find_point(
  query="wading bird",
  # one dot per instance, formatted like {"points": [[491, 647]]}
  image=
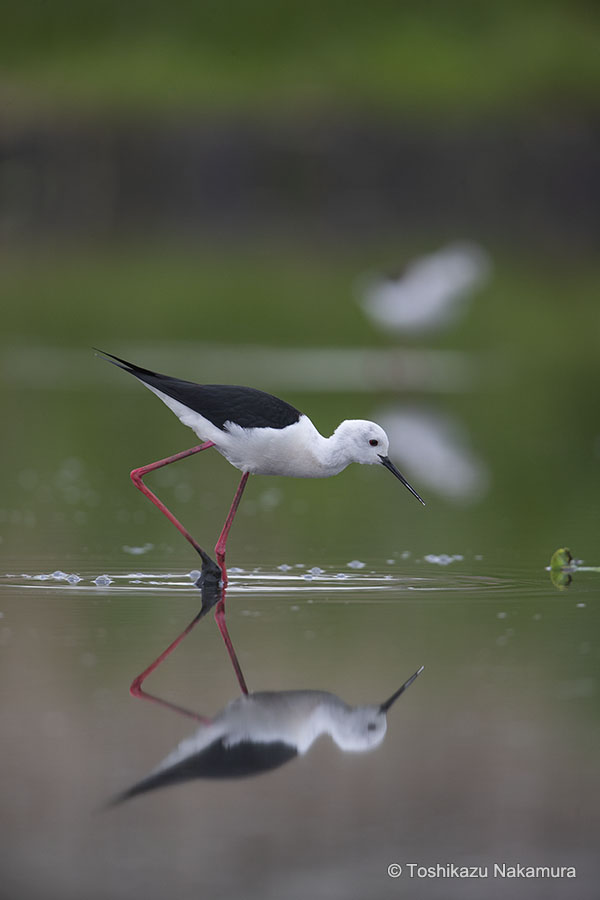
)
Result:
{"points": [[258, 434]]}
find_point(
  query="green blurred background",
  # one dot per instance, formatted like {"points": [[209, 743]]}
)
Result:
{"points": [[426, 59]]}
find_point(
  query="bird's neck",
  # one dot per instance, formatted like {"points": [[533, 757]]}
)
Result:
{"points": [[333, 453], [331, 717], [306, 453]]}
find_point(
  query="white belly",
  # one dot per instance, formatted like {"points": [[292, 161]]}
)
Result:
{"points": [[295, 451]]}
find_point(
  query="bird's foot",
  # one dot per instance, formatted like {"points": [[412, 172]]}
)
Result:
{"points": [[222, 567]]}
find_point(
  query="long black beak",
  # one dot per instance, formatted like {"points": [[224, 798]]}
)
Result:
{"points": [[385, 706], [386, 461]]}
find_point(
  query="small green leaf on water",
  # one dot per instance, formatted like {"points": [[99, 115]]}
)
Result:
{"points": [[561, 559], [562, 566]]}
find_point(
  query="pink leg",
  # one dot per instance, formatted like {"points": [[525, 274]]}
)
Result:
{"points": [[222, 542], [138, 474], [136, 685], [220, 554], [222, 626]]}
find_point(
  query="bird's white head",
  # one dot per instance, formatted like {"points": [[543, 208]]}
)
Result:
{"points": [[361, 441], [362, 728]]}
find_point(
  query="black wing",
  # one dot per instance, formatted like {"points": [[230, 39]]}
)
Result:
{"points": [[219, 403], [242, 760]]}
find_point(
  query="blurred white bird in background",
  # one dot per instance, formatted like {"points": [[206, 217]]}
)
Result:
{"points": [[430, 293]]}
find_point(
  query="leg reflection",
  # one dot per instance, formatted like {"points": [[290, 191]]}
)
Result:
{"points": [[213, 594]]}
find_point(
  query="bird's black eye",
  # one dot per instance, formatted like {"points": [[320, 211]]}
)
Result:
{"points": [[371, 726], [373, 442]]}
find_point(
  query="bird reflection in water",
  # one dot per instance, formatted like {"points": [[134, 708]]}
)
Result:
{"points": [[257, 732]]}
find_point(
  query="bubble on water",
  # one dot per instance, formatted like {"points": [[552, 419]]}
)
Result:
{"points": [[307, 576], [390, 562], [294, 608], [235, 570], [443, 559], [59, 576], [340, 575], [137, 551], [284, 567], [103, 580], [195, 575], [73, 578], [501, 615], [356, 564], [316, 570], [580, 605]]}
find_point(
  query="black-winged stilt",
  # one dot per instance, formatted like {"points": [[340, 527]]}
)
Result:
{"points": [[259, 732], [258, 434]]}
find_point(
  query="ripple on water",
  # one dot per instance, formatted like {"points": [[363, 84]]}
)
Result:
{"points": [[285, 579]]}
